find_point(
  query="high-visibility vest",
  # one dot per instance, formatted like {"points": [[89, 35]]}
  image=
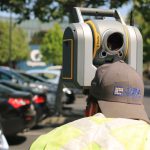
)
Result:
{"points": [[97, 133]]}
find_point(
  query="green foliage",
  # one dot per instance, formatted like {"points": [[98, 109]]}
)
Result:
{"points": [[142, 19], [21, 7], [51, 47], [19, 44], [37, 37], [47, 10], [143, 7]]}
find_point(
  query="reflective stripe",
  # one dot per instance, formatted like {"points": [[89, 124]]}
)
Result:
{"points": [[97, 133], [133, 137], [55, 139]]}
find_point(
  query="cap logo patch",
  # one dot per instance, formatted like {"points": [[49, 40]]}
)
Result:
{"points": [[118, 91], [129, 91]]}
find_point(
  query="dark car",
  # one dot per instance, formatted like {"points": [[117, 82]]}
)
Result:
{"points": [[51, 77], [16, 110], [12, 75], [7, 74], [50, 91], [37, 97], [68, 96]]}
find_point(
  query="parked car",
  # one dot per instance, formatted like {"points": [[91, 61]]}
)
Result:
{"points": [[51, 90], [8, 74], [16, 110], [37, 97], [52, 76]]}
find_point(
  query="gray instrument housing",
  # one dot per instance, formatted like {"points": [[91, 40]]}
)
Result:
{"points": [[78, 62]]}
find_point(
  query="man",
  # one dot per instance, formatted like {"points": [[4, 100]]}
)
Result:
{"points": [[118, 90]]}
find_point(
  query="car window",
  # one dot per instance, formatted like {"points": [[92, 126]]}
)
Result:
{"points": [[12, 86], [45, 75], [33, 77], [5, 89], [19, 76], [49, 75], [4, 76], [28, 77]]}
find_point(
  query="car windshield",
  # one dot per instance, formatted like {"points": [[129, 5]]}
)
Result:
{"points": [[20, 76], [33, 78], [51, 76]]}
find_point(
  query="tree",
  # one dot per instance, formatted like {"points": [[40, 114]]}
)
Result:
{"points": [[142, 7], [142, 13], [19, 43], [51, 47], [37, 37], [47, 10], [145, 30]]}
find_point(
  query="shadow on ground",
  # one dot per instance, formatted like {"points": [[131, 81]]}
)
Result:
{"points": [[16, 140], [68, 115]]}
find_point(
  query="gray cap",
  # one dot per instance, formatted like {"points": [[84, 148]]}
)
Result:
{"points": [[119, 90]]}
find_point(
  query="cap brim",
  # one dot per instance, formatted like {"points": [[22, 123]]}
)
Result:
{"points": [[123, 110]]}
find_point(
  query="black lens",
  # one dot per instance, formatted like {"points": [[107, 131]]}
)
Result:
{"points": [[115, 41], [103, 54]]}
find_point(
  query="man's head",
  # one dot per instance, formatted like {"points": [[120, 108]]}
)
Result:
{"points": [[119, 90]]}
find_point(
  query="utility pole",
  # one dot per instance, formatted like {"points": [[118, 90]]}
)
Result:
{"points": [[10, 40]]}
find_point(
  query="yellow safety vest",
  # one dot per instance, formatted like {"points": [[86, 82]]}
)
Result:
{"points": [[97, 133]]}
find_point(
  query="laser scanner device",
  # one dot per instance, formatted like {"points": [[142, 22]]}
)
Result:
{"points": [[89, 43]]}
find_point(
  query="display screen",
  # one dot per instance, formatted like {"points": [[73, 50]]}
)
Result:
{"points": [[68, 59]]}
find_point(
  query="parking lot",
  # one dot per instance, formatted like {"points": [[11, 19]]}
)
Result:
{"points": [[72, 112], [31, 105]]}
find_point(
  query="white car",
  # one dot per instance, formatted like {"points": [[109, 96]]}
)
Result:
{"points": [[3, 142]]}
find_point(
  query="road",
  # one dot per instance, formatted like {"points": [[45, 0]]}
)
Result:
{"points": [[23, 140]]}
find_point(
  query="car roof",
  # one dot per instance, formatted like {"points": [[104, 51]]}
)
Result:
{"points": [[54, 68], [10, 71], [44, 71]]}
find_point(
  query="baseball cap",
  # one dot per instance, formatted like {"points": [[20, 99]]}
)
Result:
{"points": [[119, 91]]}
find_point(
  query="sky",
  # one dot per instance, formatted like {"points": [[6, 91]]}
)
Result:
{"points": [[123, 11]]}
